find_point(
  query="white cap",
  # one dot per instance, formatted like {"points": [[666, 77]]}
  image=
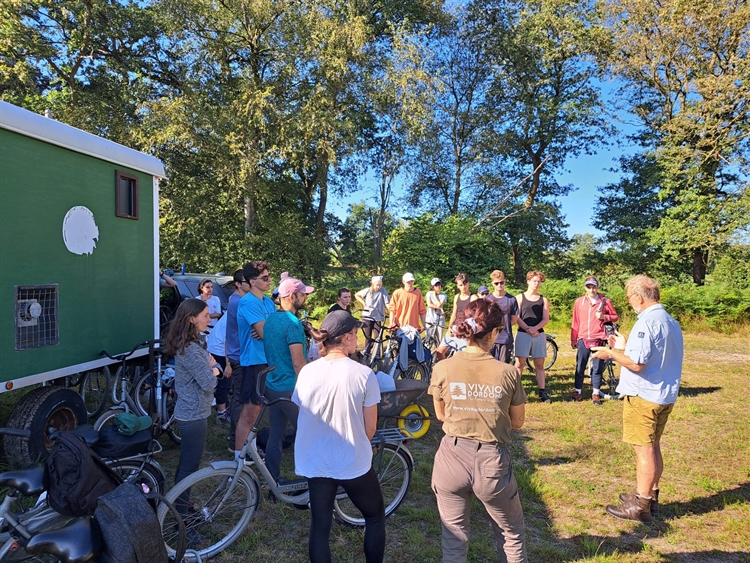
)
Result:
{"points": [[407, 277], [433, 281]]}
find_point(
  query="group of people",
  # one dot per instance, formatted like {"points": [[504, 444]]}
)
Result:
{"points": [[477, 393]]}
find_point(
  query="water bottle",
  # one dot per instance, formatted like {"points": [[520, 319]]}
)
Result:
{"points": [[182, 269]]}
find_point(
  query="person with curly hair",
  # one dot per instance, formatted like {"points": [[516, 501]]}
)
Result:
{"points": [[479, 400]]}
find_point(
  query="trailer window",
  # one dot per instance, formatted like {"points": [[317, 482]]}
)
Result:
{"points": [[36, 316], [126, 195]]}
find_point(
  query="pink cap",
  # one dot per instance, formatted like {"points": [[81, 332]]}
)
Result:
{"points": [[292, 285]]}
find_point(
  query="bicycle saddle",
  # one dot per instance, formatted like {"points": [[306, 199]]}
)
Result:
{"points": [[29, 481], [76, 542], [86, 433]]}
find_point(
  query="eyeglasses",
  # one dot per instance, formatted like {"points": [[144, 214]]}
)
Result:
{"points": [[263, 278], [498, 283]]}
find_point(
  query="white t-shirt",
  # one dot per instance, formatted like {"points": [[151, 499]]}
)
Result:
{"points": [[331, 439], [214, 306], [216, 339]]}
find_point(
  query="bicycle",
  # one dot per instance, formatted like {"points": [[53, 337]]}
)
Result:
{"points": [[30, 530], [386, 358], [146, 388], [551, 357], [609, 379], [433, 336], [225, 495]]}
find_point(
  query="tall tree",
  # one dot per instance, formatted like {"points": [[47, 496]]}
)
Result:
{"points": [[686, 75]]}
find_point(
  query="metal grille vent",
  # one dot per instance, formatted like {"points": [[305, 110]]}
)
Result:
{"points": [[36, 316]]}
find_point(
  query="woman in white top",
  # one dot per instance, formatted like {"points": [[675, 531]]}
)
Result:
{"points": [[338, 413], [374, 300], [435, 318], [206, 293]]}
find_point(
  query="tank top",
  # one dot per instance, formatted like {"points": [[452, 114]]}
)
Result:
{"points": [[531, 312], [461, 305]]}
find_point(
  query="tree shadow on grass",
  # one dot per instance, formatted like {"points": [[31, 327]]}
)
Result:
{"points": [[687, 391]]}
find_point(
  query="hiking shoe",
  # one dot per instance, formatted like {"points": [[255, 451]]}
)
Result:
{"points": [[625, 497], [635, 508], [576, 396], [597, 400], [543, 397]]}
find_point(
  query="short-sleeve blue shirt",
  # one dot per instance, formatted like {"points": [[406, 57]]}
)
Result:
{"points": [[655, 342], [252, 310], [281, 330], [509, 306]]}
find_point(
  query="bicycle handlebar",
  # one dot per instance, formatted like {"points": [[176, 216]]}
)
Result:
{"points": [[120, 357]]}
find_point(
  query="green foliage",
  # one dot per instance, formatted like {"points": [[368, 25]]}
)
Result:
{"points": [[733, 267], [719, 305], [428, 246]]}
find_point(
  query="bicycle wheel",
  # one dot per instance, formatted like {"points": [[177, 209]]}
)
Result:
{"points": [[94, 389], [213, 522], [107, 418], [551, 357], [149, 475], [142, 391], [414, 370], [610, 379], [394, 469], [551, 353]]}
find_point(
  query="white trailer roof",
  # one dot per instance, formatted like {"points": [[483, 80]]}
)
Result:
{"points": [[30, 124]]}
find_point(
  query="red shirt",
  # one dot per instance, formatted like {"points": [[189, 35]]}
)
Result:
{"points": [[585, 324]]}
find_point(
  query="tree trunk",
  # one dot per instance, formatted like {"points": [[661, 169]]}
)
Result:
{"points": [[518, 272], [249, 214], [699, 266], [535, 180], [322, 176]]}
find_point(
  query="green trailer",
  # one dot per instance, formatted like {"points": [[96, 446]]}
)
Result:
{"points": [[79, 260]]}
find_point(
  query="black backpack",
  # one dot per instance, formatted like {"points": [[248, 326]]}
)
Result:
{"points": [[130, 529], [77, 477]]}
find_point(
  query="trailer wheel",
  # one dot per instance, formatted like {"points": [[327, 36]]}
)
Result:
{"points": [[42, 409]]}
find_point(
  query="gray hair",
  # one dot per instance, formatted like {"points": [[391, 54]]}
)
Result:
{"points": [[644, 287]]}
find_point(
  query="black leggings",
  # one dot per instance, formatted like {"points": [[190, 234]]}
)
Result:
{"points": [[365, 493]]}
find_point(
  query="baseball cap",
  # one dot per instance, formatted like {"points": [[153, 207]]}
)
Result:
{"points": [[293, 285], [128, 424], [591, 280], [338, 323], [482, 289], [407, 277], [376, 279], [434, 281]]}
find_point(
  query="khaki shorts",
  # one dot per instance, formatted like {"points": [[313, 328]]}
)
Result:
{"points": [[643, 422]]}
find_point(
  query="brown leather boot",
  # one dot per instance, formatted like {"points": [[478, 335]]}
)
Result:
{"points": [[625, 497], [636, 508]]}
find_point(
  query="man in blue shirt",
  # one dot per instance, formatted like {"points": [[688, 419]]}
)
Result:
{"points": [[252, 312], [241, 287], [286, 349], [651, 362], [503, 347]]}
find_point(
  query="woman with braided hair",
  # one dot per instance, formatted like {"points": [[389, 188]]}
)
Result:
{"points": [[479, 400]]}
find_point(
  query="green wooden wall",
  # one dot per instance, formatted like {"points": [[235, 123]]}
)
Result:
{"points": [[106, 299]]}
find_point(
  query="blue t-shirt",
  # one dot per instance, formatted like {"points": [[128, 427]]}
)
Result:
{"points": [[281, 330], [252, 310], [656, 342], [233, 334]]}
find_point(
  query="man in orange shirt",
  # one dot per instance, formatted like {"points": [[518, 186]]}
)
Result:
{"points": [[407, 305]]}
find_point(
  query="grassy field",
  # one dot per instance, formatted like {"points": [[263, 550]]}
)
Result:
{"points": [[570, 462]]}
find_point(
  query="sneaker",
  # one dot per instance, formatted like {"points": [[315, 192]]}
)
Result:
{"points": [[597, 400], [576, 396], [223, 419], [543, 397]]}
